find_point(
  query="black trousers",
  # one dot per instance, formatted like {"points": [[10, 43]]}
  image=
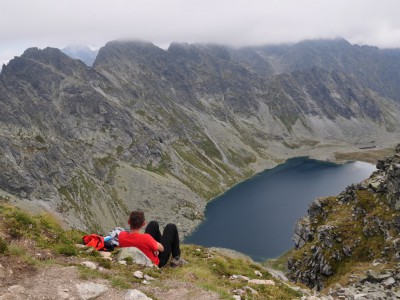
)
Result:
{"points": [[169, 239]]}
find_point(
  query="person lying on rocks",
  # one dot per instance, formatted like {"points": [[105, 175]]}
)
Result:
{"points": [[158, 248]]}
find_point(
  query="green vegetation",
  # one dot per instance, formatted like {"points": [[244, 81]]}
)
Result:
{"points": [[162, 167], [40, 139], [242, 159], [212, 270], [43, 229], [3, 246], [141, 112], [288, 121], [279, 263], [85, 192], [358, 225], [198, 175], [119, 150], [370, 156], [207, 269], [210, 149]]}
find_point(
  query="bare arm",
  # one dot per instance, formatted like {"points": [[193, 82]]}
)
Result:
{"points": [[160, 247]]}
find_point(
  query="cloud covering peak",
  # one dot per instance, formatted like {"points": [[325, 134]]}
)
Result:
{"points": [[25, 23]]}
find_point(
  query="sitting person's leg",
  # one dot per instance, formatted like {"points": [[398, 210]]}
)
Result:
{"points": [[154, 230], [170, 241]]}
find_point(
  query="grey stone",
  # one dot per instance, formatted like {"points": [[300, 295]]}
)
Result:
{"points": [[302, 232], [327, 235], [347, 250], [261, 282], [16, 289], [138, 274], [136, 295], [251, 290], [90, 290], [89, 264], [137, 256], [239, 277], [389, 282], [239, 291], [149, 278]]}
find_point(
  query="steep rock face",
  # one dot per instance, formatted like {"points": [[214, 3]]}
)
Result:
{"points": [[360, 225], [321, 93], [164, 130], [374, 68], [62, 133]]}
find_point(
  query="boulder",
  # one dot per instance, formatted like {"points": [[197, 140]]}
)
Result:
{"points": [[89, 264], [136, 295], [137, 256], [90, 290]]}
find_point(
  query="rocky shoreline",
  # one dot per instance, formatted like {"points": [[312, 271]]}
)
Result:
{"points": [[357, 230]]}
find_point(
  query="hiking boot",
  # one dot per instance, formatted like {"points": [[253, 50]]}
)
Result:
{"points": [[177, 262]]}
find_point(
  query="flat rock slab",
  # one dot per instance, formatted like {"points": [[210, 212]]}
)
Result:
{"points": [[90, 290], [137, 256], [136, 295]]}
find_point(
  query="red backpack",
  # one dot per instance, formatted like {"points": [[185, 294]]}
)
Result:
{"points": [[94, 240]]}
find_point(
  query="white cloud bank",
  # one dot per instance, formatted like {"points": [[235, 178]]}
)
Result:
{"points": [[26, 23]]}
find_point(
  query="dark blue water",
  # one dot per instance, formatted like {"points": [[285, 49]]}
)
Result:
{"points": [[257, 216]]}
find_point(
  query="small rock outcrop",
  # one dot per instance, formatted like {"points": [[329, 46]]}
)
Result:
{"points": [[360, 225], [134, 255], [136, 295], [90, 290]]}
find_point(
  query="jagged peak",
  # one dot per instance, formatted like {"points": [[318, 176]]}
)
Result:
{"points": [[129, 44], [325, 42], [126, 48], [42, 54]]}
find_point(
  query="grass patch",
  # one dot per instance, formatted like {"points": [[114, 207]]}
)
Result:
{"points": [[66, 249], [162, 167], [3, 246], [120, 282], [87, 274], [40, 139], [210, 149], [370, 156], [279, 263], [44, 229], [119, 150], [358, 226], [206, 269], [211, 270]]}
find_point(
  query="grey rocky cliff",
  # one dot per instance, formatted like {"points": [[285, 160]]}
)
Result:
{"points": [[165, 130], [359, 226]]}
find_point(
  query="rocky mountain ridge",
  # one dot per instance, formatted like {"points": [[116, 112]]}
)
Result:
{"points": [[165, 130], [356, 231]]}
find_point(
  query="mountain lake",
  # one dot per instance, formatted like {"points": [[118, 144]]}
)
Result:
{"points": [[257, 216]]}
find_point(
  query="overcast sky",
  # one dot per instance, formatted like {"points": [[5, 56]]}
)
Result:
{"points": [[58, 23]]}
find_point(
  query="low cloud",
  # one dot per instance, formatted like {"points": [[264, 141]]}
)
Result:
{"points": [[42, 23]]}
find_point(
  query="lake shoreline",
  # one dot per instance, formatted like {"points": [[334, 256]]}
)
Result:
{"points": [[303, 164]]}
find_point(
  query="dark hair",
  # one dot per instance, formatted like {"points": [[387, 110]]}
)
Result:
{"points": [[136, 219]]}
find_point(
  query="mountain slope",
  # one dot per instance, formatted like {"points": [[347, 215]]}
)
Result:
{"points": [[374, 68], [166, 130]]}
